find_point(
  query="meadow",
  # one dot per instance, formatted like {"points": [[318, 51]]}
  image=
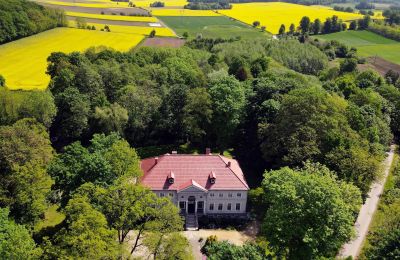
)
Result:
{"points": [[368, 44], [273, 14], [214, 26], [181, 12], [23, 62]]}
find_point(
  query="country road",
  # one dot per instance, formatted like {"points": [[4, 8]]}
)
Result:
{"points": [[353, 247]]}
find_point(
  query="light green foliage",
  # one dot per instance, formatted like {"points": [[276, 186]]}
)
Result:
{"points": [[112, 118], [15, 240], [87, 235], [15, 105], [25, 151], [173, 246], [307, 215]]}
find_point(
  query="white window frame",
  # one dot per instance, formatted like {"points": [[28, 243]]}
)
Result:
{"points": [[230, 195], [236, 206], [221, 195], [229, 206], [222, 206], [211, 207], [239, 194], [211, 194], [162, 195]]}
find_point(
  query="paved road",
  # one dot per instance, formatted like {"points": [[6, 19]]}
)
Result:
{"points": [[353, 247]]}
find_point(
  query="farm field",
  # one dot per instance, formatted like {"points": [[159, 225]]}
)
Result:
{"points": [[113, 17], [106, 3], [143, 30], [273, 14], [216, 26], [368, 44], [23, 62], [181, 12]]}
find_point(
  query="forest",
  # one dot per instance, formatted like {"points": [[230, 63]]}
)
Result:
{"points": [[24, 18]]}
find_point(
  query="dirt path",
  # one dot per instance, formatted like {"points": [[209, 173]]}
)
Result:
{"points": [[367, 211]]}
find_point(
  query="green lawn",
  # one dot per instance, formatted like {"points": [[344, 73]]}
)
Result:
{"points": [[51, 218], [368, 44], [210, 27]]}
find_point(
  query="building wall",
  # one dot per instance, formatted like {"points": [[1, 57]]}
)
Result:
{"points": [[215, 198]]}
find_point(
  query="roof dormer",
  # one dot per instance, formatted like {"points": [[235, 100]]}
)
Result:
{"points": [[171, 177], [212, 177]]}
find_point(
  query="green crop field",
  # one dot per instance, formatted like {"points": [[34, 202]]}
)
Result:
{"points": [[210, 27], [368, 44]]}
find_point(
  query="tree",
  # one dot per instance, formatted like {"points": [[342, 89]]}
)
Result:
{"points": [[152, 33], [307, 215], [256, 23], [263, 28], [292, 29], [282, 29], [185, 35], [228, 99], [173, 246], [305, 24], [112, 118], [317, 26], [2, 81], [81, 23], [363, 23], [15, 240], [86, 234], [25, 152], [348, 65], [353, 25], [197, 114]]}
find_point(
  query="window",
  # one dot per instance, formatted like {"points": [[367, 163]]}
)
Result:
{"points": [[171, 194], [239, 194], [212, 206], [162, 194], [229, 207], [182, 197], [221, 195], [230, 195], [211, 194], [182, 204], [220, 206], [237, 206]]}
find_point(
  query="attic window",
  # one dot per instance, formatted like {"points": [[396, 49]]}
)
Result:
{"points": [[212, 177], [171, 177]]}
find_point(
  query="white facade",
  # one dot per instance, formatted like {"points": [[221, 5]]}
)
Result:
{"points": [[195, 200]]}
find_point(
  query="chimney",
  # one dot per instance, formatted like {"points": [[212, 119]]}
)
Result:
{"points": [[208, 151], [228, 164], [171, 177], [155, 160], [212, 177], [174, 152]]}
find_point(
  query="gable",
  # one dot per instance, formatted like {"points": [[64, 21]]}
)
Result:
{"points": [[192, 188]]}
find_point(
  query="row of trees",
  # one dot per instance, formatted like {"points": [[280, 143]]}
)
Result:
{"points": [[331, 25], [19, 19]]}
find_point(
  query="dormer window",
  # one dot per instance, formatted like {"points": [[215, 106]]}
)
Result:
{"points": [[212, 177], [171, 178]]}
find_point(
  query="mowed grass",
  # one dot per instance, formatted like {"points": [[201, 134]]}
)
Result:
{"points": [[210, 27], [23, 62], [368, 44], [273, 14]]}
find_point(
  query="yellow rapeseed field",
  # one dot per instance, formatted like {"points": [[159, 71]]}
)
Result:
{"points": [[273, 14], [113, 17], [23, 62], [160, 31], [181, 12]]}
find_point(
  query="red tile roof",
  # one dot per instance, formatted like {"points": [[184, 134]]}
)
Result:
{"points": [[192, 170]]}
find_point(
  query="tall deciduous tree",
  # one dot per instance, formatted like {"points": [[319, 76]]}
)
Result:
{"points": [[307, 216]]}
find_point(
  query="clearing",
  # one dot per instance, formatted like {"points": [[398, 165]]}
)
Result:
{"points": [[368, 44], [210, 27], [273, 14], [23, 63]]}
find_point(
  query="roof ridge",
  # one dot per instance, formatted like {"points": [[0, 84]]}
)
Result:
{"points": [[234, 173]]}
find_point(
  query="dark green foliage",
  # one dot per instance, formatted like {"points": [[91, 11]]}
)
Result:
{"points": [[348, 65], [223, 250], [152, 33], [2, 81], [157, 4], [21, 18], [208, 5]]}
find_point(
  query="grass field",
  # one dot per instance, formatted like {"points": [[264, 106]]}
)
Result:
{"points": [[113, 17], [368, 44], [211, 27], [23, 62], [273, 14]]}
